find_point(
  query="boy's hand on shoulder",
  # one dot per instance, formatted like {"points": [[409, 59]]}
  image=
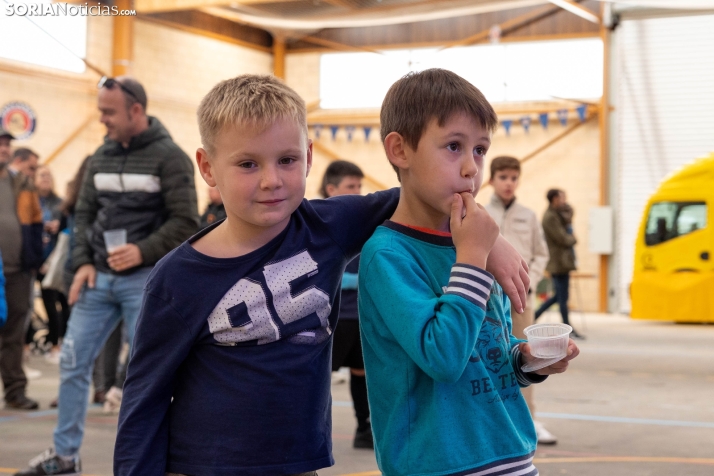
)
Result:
{"points": [[556, 368], [473, 230], [511, 272]]}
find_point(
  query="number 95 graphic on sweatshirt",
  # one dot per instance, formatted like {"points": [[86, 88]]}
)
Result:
{"points": [[243, 316]]}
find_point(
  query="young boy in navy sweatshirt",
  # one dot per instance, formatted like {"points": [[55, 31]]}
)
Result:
{"points": [[443, 368], [230, 371]]}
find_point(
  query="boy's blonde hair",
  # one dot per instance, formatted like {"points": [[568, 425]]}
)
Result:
{"points": [[417, 98], [258, 100]]}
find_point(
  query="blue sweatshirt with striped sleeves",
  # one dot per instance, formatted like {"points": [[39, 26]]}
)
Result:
{"points": [[443, 370]]}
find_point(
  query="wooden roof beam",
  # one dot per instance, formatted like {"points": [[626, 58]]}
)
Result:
{"points": [[155, 6], [578, 10], [337, 46], [340, 3], [506, 27]]}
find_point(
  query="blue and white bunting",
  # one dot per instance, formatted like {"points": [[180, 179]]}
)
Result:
{"points": [[582, 109], [350, 132], [563, 116], [526, 123], [543, 118], [507, 123]]}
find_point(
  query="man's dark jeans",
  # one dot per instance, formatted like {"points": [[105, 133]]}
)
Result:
{"points": [[561, 285], [12, 334]]}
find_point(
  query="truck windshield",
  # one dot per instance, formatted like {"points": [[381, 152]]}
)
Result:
{"points": [[669, 220]]}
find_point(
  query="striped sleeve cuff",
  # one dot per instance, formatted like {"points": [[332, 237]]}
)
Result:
{"points": [[524, 379], [471, 283]]}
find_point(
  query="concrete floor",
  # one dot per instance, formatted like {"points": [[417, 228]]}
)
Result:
{"points": [[638, 401]]}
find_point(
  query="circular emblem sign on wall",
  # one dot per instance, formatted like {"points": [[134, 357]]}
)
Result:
{"points": [[18, 119]]}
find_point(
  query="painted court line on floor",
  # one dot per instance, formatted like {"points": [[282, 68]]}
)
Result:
{"points": [[637, 421], [560, 416], [607, 419], [27, 415]]}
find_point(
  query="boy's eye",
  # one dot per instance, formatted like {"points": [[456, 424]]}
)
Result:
{"points": [[480, 151], [287, 160], [246, 165], [453, 146]]}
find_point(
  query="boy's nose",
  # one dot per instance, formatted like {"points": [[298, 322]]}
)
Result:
{"points": [[270, 178], [469, 167]]}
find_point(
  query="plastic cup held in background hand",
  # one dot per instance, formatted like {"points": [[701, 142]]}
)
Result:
{"points": [[548, 343], [113, 239]]}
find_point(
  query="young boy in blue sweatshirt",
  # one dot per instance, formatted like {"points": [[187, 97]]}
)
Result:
{"points": [[230, 367], [443, 370]]}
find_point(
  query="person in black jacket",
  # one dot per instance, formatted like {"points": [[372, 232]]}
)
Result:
{"points": [[138, 181]]}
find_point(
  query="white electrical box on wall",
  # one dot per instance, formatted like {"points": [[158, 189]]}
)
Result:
{"points": [[600, 231]]}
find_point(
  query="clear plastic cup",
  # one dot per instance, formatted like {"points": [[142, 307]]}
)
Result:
{"points": [[113, 239], [548, 341]]}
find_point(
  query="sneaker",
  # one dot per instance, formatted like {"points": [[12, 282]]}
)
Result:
{"points": [[50, 462], [338, 377], [112, 400], [53, 357], [544, 436], [576, 335], [22, 403], [364, 439], [30, 373]]}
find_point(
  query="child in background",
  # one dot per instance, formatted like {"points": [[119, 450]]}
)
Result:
{"points": [[230, 371], [520, 226], [443, 368], [345, 178]]}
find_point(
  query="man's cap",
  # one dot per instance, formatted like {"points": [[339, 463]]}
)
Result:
{"points": [[4, 133]]}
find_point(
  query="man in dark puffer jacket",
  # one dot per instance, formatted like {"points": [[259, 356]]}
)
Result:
{"points": [[139, 181]]}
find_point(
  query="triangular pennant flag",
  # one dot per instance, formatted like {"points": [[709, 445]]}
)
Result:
{"points": [[350, 130], [367, 130], [507, 125], [334, 130], [317, 128], [526, 122], [581, 111], [563, 116], [543, 118]]}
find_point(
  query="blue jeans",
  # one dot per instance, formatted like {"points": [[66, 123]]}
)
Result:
{"points": [[561, 283], [94, 317]]}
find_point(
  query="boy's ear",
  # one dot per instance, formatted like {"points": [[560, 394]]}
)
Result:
{"points": [[204, 166], [309, 157], [330, 189], [395, 147]]}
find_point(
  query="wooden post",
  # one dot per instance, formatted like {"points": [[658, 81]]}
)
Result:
{"points": [[123, 41], [604, 151], [279, 56]]}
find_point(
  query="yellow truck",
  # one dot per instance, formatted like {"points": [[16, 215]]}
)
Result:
{"points": [[674, 264]]}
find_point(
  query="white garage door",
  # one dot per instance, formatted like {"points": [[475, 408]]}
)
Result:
{"points": [[664, 87]]}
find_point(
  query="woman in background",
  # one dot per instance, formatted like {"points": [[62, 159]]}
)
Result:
{"points": [[55, 302]]}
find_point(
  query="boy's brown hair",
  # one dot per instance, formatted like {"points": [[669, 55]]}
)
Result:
{"points": [[505, 162], [417, 98], [257, 100]]}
